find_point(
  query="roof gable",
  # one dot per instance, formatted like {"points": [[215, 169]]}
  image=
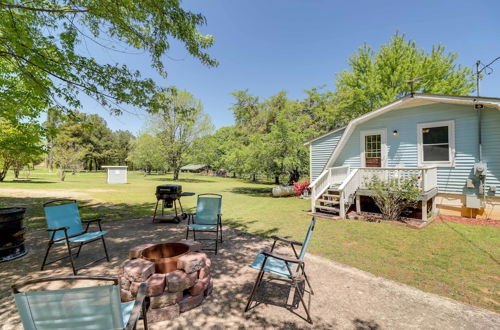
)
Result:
{"points": [[406, 102]]}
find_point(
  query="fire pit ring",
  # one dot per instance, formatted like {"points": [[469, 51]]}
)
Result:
{"points": [[12, 233], [165, 256], [177, 275]]}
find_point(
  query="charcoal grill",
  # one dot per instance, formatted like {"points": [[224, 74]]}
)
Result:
{"points": [[169, 195]]}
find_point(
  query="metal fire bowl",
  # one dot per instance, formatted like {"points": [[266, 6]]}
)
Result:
{"points": [[165, 256]]}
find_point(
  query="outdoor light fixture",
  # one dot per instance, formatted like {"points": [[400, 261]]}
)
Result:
{"points": [[395, 132]]}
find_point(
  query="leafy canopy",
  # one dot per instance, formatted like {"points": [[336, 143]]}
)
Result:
{"points": [[42, 57], [378, 78]]}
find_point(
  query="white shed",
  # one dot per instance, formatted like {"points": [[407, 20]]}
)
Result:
{"points": [[116, 174]]}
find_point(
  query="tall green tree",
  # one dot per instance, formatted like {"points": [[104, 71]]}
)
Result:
{"points": [[20, 144], [178, 120], [146, 153], [378, 77], [42, 61]]}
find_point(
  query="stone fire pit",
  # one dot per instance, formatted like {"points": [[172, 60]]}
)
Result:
{"points": [[177, 275]]}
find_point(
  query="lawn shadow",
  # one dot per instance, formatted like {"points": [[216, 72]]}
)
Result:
{"points": [[181, 180], [360, 324], [252, 191], [244, 227]]}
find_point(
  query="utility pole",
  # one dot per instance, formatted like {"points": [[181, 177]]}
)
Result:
{"points": [[479, 71]]}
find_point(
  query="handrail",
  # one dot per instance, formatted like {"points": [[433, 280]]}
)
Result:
{"points": [[312, 184]]}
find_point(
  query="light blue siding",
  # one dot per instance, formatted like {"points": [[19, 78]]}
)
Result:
{"points": [[491, 148], [402, 149], [321, 150]]}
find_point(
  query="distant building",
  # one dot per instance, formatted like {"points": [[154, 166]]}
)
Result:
{"points": [[193, 168]]}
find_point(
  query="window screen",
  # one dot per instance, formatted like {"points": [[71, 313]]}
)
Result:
{"points": [[435, 143]]}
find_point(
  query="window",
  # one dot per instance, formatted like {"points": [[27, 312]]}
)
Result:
{"points": [[436, 143]]}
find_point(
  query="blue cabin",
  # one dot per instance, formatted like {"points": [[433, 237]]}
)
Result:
{"points": [[450, 143]]}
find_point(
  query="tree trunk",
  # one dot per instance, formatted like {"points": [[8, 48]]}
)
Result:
{"points": [[254, 177], [294, 176], [176, 174], [62, 175], [276, 179], [16, 169]]}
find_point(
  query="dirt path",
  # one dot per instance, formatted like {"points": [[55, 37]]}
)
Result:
{"points": [[55, 193], [345, 297]]}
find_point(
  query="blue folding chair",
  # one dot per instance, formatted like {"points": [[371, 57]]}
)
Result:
{"points": [[65, 226], [207, 218], [279, 265], [92, 308]]}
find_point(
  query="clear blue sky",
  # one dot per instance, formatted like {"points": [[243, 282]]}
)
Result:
{"points": [[292, 45]]}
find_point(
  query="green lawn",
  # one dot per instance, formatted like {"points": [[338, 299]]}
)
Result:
{"points": [[454, 260]]}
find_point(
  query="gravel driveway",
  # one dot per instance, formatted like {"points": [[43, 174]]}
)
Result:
{"points": [[345, 297]]}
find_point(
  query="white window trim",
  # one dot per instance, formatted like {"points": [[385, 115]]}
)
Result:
{"points": [[451, 142], [383, 140]]}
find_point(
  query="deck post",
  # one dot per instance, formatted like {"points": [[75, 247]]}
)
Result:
{"points": [[342, 207], [424, 210], [434, 207], [358, 204]]}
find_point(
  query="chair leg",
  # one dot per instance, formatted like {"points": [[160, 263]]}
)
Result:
{"points": [[256, 284], [216, 239], [301, 296], [105, 248], [79, 249], [71, 257], [194, 234], [220, 223], [144, 316], [187, 232], [46, 255], [307, 279]]}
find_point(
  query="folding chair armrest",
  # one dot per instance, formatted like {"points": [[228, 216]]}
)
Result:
{"points": [[91, 220], [286, 240], [136, 310], [57, 229], [282, 257]]}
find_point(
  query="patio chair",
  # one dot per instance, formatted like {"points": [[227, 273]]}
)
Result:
{"points": [[94, 307], [281, 266], [207, 218], [65, 226]]}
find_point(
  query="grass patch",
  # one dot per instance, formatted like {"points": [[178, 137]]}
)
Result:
{"points": [[451, 259]]}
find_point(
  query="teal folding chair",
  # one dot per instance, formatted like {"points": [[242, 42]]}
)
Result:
{"points": [[207, 218], [90, 308], [279, 265], [65, 226]]}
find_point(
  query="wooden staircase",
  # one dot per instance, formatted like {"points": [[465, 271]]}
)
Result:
{"points": [[328, 204]]}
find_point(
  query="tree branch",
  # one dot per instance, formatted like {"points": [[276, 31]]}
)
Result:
{"points": [[46, 10]]}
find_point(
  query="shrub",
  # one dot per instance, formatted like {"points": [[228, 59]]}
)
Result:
{"points": [[299, 187], [393, 196]]}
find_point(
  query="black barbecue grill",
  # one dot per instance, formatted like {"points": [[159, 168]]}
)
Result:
{"points": [[169, 195]]}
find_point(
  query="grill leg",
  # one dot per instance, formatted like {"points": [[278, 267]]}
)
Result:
{"points": [[156, 208]]}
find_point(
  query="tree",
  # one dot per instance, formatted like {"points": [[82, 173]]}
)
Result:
{"points": [[19, 145], [121, 146], [42, 62], [146, 153], [377, 78], [177, 121]]}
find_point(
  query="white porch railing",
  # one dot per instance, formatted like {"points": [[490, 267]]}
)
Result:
{"points": [[351, 181], [329, 177], [427, 176]]}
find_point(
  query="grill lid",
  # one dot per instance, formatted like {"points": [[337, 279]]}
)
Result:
{"points": [[169, 189]]}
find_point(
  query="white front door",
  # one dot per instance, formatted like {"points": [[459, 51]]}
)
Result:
{"points": [[374, 148]]}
